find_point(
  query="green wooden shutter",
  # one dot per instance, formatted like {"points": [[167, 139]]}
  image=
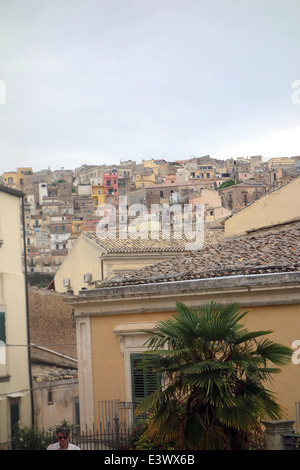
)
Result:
{"points": [[2, 327], [14, 419], [143, 382], [77, 413]]}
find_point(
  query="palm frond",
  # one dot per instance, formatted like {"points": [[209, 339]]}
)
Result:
{"points": [[242, 414], [216, 369], [274, 352], [200, 436], [247, 336], [206, 365]]}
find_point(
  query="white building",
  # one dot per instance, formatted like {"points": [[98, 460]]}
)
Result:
{"points": [[59, 241], [15, 376], [43, 192]]}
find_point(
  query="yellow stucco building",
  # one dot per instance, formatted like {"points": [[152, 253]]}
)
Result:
{"points": [[98, 194], [142, 181], [151, 164], [10, 178], [274, 209], [16, 179], [94, 259], [15, 376], [279, 161], [77, 226], [260, 272], [21, 173]]}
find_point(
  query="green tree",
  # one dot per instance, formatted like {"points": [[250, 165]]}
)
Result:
{"points": [[228, 183], [30, 438], [40, 280], [213, 371]]}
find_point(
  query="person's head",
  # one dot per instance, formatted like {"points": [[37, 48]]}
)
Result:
{"points": [[63, 435]]}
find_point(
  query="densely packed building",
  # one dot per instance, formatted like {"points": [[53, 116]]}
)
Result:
{"points": [[61, 204]]}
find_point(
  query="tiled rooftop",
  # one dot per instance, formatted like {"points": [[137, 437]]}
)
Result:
{"points": [[12, 191], [46, 373], [261, 253], [130, 245]]}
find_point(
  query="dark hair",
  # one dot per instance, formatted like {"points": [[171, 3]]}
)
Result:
{"points": [[64, 429]]}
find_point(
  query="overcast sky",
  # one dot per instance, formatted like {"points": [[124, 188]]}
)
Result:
{"points": [[100, 81]]}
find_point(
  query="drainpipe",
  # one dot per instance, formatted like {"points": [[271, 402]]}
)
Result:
{"points": [[101, 264], [27, 313]]}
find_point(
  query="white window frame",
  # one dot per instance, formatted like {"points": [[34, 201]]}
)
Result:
{"points": [[132, 341]]}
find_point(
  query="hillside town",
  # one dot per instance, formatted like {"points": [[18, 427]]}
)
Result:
{"points": [[149, 229], [62, 204], [78, 300]]}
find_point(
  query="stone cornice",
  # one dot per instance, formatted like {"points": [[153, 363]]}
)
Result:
{"points": [[253, 290]]}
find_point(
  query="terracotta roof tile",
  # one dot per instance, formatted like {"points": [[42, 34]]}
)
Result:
{"points": [[273, 252], [147, 244]]}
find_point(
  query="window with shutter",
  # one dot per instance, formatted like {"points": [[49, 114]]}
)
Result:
{"points": [[2, 327], [143, 382], [77, 412], [14, 419]]}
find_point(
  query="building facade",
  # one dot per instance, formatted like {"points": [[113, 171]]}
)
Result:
{"points": [[15, 376], [111, 188], [111, 320]]}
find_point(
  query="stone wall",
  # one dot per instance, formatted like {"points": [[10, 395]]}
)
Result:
{"points": [[50, 320]]}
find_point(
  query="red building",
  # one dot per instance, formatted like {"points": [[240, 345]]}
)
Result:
{"points": [[111, 188], [90, 225]]}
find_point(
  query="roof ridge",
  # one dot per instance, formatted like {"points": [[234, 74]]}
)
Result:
{"points": [[12, 191], [142, 244]]}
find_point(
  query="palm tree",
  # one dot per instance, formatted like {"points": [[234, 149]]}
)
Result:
{"points": [[212, 371]]}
